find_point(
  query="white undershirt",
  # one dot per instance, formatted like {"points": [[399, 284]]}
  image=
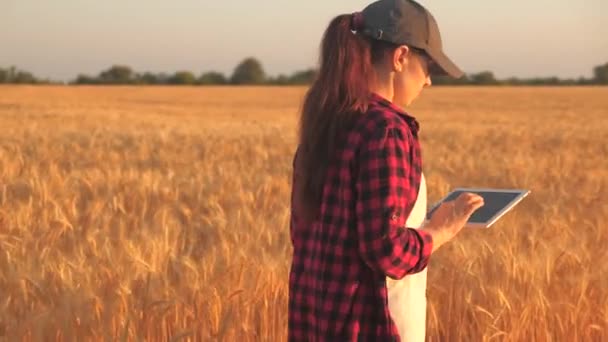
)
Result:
{"points": [[407, 297]]}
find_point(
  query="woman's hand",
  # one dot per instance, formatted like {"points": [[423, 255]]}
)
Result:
{"points": [[451, 216]]}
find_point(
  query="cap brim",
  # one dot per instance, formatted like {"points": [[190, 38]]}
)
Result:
{"points": [[444, 65]]}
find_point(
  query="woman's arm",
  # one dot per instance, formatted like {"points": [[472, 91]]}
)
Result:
{"points": [[383, 194]]}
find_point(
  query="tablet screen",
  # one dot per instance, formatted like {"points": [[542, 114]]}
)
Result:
{"points": [[493, 203]]}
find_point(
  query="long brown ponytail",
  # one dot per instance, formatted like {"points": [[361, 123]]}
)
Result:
{"points": [[339, 93]]}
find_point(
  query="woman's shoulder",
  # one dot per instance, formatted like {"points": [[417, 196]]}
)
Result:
{"points": [[378, 119]]}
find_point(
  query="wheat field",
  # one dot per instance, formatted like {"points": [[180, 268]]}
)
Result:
{"points": [[161, 213]]}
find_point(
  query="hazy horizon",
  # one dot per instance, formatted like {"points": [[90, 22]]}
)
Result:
{"points": [[62, 39]]}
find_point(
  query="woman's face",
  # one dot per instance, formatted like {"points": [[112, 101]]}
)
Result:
{"points": [[411, 75]]}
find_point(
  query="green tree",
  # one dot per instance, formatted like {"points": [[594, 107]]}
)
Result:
{"points": [[182, 78], [279, 80], [85, 79], [8, 75], [3, 76], [585, 81], [117, 74], [24, 77], [11, 73], [514, 81], [212, 78], [163, 78], [600, 74], [249, 71], [447, 80], [15, 76], [484, 78], [147, 78], [303, 77]]}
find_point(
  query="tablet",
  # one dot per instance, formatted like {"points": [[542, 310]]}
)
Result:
{"points": [[497, 202]]}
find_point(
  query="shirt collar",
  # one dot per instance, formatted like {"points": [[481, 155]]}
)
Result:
{"points": [[411, 121]]}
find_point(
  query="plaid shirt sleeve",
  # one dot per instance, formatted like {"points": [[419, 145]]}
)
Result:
{"points": [[384, 191]]}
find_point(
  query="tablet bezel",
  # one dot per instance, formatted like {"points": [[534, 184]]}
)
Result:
{"points": [[487, 224]]}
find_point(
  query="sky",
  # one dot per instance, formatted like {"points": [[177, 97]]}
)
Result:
{"points": [[59, 39]]}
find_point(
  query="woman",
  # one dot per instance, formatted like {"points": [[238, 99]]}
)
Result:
{"points": [[358, 190]]}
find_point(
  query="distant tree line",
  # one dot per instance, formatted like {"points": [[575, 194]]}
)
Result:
{"points": [[488, 78], [251, 72], [248, 72], [13, 75]]}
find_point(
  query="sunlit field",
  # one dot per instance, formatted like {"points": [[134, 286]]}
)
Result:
{"points": [[161, 213]]}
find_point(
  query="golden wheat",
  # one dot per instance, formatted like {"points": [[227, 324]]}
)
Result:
{"points": [[134, 213]]}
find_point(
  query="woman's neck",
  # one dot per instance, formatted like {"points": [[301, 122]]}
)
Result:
{"points": [[383, 85]]}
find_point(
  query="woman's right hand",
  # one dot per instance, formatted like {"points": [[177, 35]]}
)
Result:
{"points": [[451, 216]]}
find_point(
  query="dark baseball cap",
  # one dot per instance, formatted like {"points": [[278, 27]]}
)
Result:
{"points": [[406, 22]]}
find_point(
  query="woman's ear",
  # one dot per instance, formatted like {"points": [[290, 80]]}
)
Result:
{"points": [[400, 58]]}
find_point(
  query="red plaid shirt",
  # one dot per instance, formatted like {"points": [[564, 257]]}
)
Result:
{"points": [[337, 280]]}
